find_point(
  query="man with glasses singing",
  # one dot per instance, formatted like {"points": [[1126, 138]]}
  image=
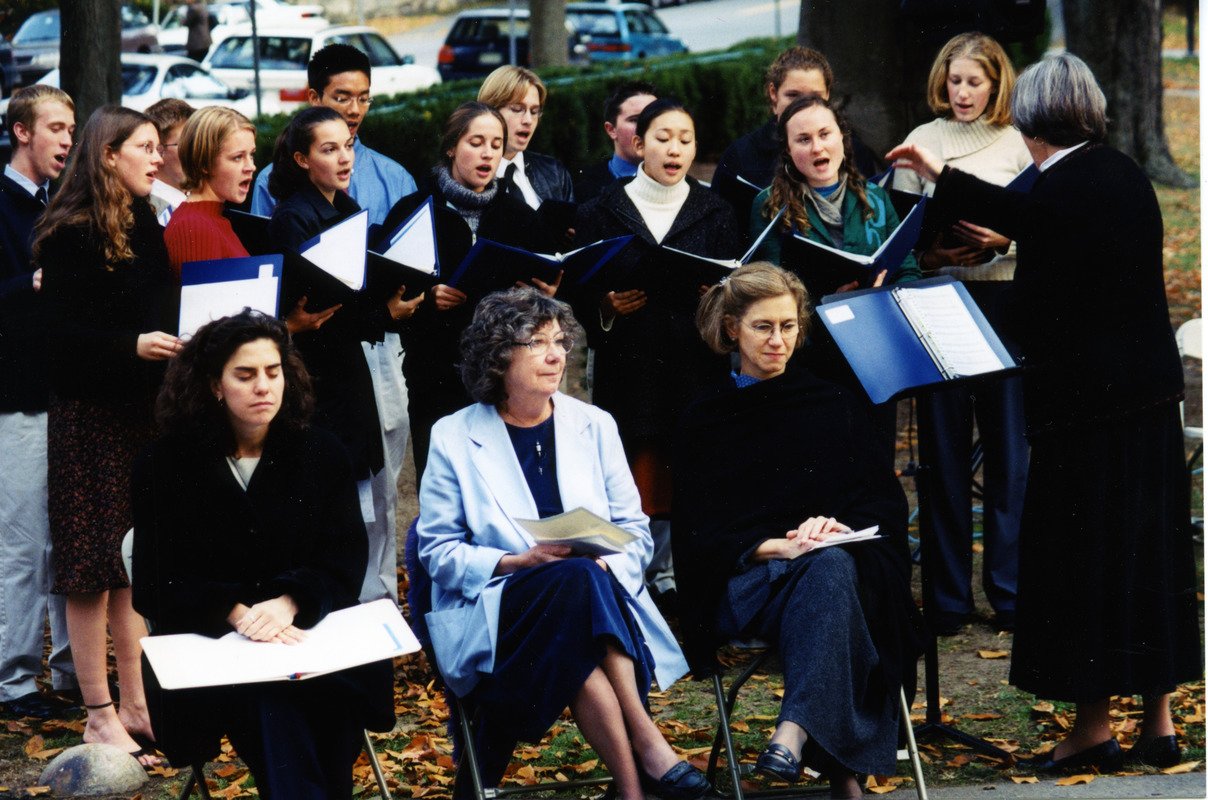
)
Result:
{"points": [[169, 116]]}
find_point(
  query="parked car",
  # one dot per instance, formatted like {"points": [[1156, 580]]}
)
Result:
{"points": [[36, 42], [622, 31], [173, 34], [478, 41], [8, 69], [285, 52], [147, 78]]}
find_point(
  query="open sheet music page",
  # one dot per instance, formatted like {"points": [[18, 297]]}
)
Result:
{"points": [[864, 535], [948, 331], [415, 242], [346, 638], [340, 250], [582, 530]]}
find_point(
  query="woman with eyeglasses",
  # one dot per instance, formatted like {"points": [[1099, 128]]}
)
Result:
{"points": [[216, 151], [519, 95], [110, 305], [773, 467], [528, 629]]}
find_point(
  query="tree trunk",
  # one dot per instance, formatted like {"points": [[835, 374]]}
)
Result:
{"points": [[90, 41], [1121, 41], [880, 66], [547, 33]]}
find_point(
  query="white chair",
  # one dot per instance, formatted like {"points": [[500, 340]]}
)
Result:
{"points": [[1190, 339]]}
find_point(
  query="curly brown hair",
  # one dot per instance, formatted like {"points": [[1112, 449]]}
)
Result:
{"points": [[92, 193], [186, 402], [788, 184]]}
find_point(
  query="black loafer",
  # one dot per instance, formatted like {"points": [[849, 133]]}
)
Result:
{"points": [[681, 782], [777, 761], [1161, 752], [1102, 758]]}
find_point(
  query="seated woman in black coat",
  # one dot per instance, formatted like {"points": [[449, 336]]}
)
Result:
{"points": [[770, 465], [471, 146], [239, 467], [649, 362], [312, 166]]}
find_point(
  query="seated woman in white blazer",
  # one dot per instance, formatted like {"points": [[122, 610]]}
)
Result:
{"points": [[525, 629]]}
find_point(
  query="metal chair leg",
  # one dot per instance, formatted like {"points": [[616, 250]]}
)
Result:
{"points": [[912, 747], [197, 777], [377, 768]]}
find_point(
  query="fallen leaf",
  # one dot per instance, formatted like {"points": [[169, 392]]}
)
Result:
{"points": [[33, 790], [42, 755], [994, 653], [226, 772], [1025, 779], [983, 716], [33, 745], [881, 789], [740, 726], [1044, 707], [1074, 780], [1179, 769]]}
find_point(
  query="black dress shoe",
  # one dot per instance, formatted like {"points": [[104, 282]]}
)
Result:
{"points": [[777, 761], [1160, 751], [34, 704], [681, 782], [1103, 758]]}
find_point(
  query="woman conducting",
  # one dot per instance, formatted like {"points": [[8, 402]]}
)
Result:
{"points": [[528, 629], [108, 290], [649, 362], [970, 89], [239, 464], [1107, 486], [464, 181], [216, 148], [770, 464]]}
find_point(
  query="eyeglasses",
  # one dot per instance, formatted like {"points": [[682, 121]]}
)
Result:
{"points": [[540, 345], [147, 147], [519, 108], [788, 330], [341, 100], [164, 147]]}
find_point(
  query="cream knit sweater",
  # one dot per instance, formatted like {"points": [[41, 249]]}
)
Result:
{"points": [[994, 153]]}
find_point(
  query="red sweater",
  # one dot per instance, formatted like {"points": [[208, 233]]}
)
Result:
{"points": [[198, 231]]}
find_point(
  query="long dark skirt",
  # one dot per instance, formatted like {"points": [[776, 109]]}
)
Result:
{"points": [[1107, 602], [554, 625], [834, 685]]}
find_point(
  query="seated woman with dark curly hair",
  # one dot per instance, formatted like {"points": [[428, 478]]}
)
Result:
{"points": [[528, 629], [247, 519], [771, 465]]}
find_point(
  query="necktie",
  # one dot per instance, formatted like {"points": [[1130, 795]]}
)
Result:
{"points": [[509, 179], [40, 195]]}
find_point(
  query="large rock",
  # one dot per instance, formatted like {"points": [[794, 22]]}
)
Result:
{"points": [[93, 769]]}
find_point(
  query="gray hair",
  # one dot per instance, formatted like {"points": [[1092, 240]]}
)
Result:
{"points": [[501, 321], [1058, 100]]}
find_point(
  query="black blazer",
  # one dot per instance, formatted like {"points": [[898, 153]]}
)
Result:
{"points": [[202, 544], [594, 180], [343, 384], [24, 377], [1088, 303], [95, 311], [549, 178]]}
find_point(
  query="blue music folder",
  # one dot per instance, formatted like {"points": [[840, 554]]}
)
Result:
{"points": [[210, 290], [903, 339]]}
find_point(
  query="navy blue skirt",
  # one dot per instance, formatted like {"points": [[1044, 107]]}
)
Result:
{"points": [[554, 624]]}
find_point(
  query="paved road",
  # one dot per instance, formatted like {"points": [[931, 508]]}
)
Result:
{"points": [[703, 25]]}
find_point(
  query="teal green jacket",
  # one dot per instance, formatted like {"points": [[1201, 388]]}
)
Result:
{"points": [[860, 236]]}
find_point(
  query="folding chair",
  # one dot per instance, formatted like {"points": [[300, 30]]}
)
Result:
{"points": [[725, 707], [197, 769], [463, 715]]}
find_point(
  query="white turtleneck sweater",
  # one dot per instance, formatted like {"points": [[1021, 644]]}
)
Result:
{"points": [[994, 153], [658, 204]]}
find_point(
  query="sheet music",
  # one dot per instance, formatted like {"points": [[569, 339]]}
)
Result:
{"points": [[415, 243], [201, 303], [948, 330], [863, 535], [346, 638], [336, 250], [581, 529]]}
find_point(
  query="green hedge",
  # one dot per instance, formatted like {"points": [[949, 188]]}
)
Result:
{"points": [[721, 89]]}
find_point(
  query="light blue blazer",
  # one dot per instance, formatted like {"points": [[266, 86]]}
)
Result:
{"points": [[473, 489]]}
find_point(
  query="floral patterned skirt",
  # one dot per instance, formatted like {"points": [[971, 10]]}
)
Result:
{"points": [[90, 452]]}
